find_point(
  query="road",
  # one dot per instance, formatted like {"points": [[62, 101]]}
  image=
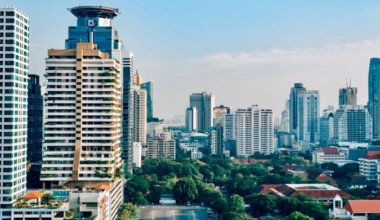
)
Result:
{"points": [[161, 212]]}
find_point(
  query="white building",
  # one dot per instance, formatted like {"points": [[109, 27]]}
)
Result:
{"points": [[368, 165], [308, 116], [14, 67], [140, 112], [161, 147], [353, 209], [328, 154], [137, 148], [254, 131], [204, 103], [229, 127], [154, 128], [191, 119], [352, 124]]}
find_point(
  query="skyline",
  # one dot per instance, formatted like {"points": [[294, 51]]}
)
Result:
{"points": [[242, 47]]}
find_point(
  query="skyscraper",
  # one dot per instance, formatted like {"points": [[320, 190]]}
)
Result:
{"points": [[293, 106], [308, 116], [216, 140], [219, 114], [326, 129], [348, 95], [204, 103], [148, 87], [191, 123], [352, 123], [14, 67], [140, 113], [82, 134], [374, 96], [129, 85], [35, 124], [35, 112], [284, 126], [254, 131]]}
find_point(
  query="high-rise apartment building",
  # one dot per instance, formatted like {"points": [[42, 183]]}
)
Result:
{"points": [[293, 106], [14, 67], [254, 131], [348, 96], [353, 124], [219, 114], [326, 135], [82, 132], [148, 87], [129, 85], [284, 124], [191, 122], [204, 103], [140, 113], [162, 146], [35, 114], [374, 96], [216, 140], [308, 116]]}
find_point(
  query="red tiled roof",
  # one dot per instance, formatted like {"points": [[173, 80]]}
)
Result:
{"points": [[330, 150], [372, 155], [311, 191], [33, 195], [363, 206]]}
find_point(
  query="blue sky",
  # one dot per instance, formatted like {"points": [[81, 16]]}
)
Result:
{"points": [[244, 51]]}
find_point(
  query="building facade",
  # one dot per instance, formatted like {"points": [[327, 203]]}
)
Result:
{"points": [[352, 124], [254, 131], [348, 96], [308, 116], [35, 123], [293, 106], [14, 67], [368, 165], [326, 129], [216, 140], [148, 87], [191, 122], [328, 154], [374, 96], [162, 147], [140, 115], [219, 114], [204, 103]]}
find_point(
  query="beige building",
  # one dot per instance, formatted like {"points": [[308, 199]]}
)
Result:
{"points": [[162, 146]]}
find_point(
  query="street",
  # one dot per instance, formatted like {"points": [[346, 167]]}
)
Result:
{"points": [[159, 212]]}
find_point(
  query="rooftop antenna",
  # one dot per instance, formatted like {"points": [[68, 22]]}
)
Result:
{"points": [[346, 83]]}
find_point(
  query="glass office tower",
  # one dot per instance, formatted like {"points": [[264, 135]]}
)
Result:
{"points": [[94, 25]]}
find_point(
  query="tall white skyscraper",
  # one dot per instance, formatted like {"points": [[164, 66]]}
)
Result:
{"points": [[191, 122], [204, 103], [254, 131], [14, 67], [308, 116], [140, 112]]}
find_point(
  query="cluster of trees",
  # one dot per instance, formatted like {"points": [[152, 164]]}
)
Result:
{"points": [[127, 211], [222, 185]]}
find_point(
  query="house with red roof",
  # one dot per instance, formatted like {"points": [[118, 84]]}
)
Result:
{"points": [[318, 191], [354, 209]]}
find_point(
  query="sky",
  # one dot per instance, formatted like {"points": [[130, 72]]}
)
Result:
{"points": [[245, 52]]}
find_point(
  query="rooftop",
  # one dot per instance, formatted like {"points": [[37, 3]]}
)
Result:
{"points": [[330, 150], [363, 206], [94, 11], [372, 155]]}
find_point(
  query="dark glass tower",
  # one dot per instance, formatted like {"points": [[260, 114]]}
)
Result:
{"points": [[148, 87], [94, 25], [374, 96], [35, 103], [293, 106]]}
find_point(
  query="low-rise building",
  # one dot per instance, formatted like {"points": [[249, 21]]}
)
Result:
{"points": [[354, 209], [368, 165], [328, 154], [319, 191], [162, 147]]}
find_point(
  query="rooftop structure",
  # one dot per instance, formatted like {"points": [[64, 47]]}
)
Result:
{"points": [[94, 11]]}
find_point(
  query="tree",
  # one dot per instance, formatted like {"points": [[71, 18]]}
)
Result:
{"points": [[235, 216], [298, 216], [261, 204], [185, 190], [287, 205], [127, 211], [154, 195], [208, 175], [219, 205], [235, 204], [313, 209]]}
